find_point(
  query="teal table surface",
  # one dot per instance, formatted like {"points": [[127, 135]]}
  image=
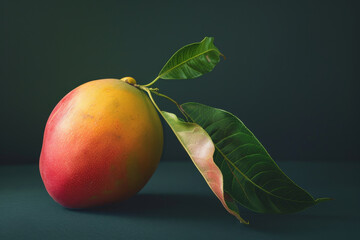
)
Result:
{"points": [[177, 204]]}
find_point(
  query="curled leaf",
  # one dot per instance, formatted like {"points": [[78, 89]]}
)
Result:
{"points": [[200, 148]]}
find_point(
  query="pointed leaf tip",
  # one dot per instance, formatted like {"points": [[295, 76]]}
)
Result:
{"points": [[319, 200]]}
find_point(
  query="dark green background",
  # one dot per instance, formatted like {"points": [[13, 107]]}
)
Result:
{"points": [[291, 69], [291, 74]]}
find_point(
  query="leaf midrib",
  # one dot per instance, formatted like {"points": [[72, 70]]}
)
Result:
{"points": [[198, 55], [269, 193], [247, 178]]}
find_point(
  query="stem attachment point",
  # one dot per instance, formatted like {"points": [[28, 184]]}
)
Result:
{"points": [[129, 80]]}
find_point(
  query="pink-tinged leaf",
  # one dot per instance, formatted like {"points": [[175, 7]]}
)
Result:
{"points": [[200, 148]]}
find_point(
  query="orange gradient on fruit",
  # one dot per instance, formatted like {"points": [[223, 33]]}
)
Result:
{"points": [[102, 143]]}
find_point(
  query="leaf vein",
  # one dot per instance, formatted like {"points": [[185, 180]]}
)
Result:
{"points": [[189, 59]]}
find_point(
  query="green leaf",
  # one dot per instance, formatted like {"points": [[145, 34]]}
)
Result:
{"points": [[200, 148], [192, 61], [251, 176]]}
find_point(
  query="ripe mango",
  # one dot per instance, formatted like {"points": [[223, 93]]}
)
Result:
{"points": [[102, 143]]}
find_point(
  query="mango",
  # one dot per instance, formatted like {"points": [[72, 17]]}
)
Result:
{"points": [[102, 143]]}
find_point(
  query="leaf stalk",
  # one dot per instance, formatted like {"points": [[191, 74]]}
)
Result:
{"points": [[151, 83], [155, 90]]}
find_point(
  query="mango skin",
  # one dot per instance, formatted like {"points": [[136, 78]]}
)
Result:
{"points": [[102, 143]]}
